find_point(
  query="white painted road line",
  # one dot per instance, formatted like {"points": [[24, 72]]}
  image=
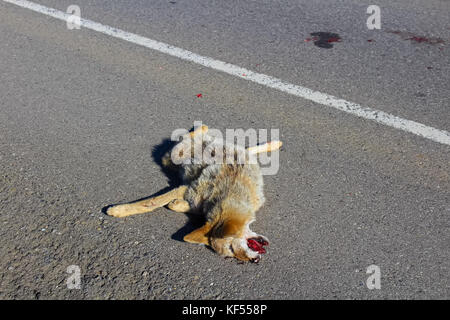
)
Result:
{"points": [[419, 129]]}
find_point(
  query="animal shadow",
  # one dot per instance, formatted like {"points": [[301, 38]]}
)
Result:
{"points": [[174, 180], [158, 153]]}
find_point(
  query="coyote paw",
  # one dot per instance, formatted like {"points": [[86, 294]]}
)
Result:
{"points": [[178, 205], [118, 211]]}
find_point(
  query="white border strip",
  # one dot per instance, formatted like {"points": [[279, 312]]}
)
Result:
{"points": [[419, 129]]}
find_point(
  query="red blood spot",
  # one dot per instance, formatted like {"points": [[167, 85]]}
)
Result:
{"points": [[426, 40], [419, 39], [256, 245], [334, 39], [199, 95], [244, 75], [370, 40], [313, 39]]}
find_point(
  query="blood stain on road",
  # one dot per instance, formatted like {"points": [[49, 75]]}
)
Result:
{"points": [[324, 39], [417, 39]]}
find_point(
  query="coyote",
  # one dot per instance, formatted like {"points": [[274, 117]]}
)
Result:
{"points": [[226, 194]]}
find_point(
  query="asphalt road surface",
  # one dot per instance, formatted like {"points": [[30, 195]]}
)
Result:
{"points": [[81, 113]]}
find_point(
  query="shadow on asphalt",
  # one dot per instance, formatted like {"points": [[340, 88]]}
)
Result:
{"points": [[174, 181]]}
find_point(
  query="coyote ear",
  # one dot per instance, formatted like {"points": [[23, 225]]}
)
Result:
{"points": [[199, 235], [232, 227]]}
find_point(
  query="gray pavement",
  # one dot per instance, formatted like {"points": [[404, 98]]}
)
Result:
{"points": [[81, 113]]}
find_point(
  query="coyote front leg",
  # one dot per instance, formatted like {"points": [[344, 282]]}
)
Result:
{"points": [[147, 205], [267, 147]]}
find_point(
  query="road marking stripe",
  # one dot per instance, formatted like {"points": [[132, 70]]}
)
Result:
{"points": [[419, 129]]}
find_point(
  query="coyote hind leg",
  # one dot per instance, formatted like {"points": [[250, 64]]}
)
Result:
{"points": [[147, 205]]}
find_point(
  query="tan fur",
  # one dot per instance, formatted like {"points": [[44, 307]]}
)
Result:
{"points": [[227, 195]]}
